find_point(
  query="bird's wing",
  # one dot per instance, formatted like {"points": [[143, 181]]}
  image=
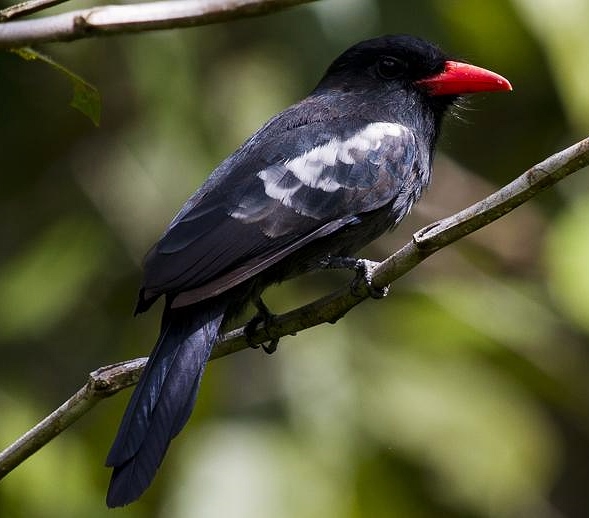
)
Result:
{"points": [[275, 194]]}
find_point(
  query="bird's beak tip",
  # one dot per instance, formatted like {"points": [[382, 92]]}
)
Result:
{"points": [[459, 78]]}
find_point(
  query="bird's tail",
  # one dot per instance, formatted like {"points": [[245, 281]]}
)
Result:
{"points": [[163, 399]]}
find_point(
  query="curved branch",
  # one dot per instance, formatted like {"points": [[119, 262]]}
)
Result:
{"points": [[113, 378], [117, 19]]}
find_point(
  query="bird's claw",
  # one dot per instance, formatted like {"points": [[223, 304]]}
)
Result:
{"points": [[364, 272], [271, 346], [266, 316]]}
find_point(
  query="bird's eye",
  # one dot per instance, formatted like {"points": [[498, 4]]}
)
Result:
{"points": [[389, 67]]}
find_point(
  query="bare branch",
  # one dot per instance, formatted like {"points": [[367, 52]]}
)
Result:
{"points": [[117, 19], [113, 378], [101, 383], [25, 8], [424, 243]]}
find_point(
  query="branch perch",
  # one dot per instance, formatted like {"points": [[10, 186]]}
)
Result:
{"points": [[109, 380], [117, 19]]}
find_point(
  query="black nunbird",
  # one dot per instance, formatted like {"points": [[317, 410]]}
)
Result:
{"points": [[319, 180]]}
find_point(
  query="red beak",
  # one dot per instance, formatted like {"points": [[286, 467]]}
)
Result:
{"points": [[462, 78]]}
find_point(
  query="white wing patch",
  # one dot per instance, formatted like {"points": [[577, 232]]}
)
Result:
{"points": [[308, 167]]}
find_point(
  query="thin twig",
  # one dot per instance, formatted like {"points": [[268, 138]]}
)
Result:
{"points": [[117, 19], [113, 378], [25, 8]]}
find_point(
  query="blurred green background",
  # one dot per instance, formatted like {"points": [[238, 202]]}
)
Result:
{"points": [[463, 394]]}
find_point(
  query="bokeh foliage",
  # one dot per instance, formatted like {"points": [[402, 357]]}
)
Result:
{"points": [[465, 393]]}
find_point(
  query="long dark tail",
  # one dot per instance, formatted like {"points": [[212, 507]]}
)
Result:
{"points": [[163, 399]]}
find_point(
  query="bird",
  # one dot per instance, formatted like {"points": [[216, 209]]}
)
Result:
{"points": [[317, 182]]}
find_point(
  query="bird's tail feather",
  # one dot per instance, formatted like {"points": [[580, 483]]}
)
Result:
{"points": [[163, 399]]}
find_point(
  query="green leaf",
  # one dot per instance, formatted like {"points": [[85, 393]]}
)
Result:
{"points": [[87, 100], [86, 97]]}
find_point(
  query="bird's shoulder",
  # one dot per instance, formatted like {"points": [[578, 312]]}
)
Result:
{"points": [[317, 133], [303, 170]]}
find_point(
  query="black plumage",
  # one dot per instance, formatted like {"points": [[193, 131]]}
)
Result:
{"points": [[323, 178]]}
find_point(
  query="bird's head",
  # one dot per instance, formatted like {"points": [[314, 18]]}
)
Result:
{"points": [[406, 63], [403, 79]]}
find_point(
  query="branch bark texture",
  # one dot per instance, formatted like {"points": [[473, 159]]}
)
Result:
{"points": [[117, 19], [113, 378]]}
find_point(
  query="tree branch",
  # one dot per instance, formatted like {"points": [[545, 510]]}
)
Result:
{"points": [[25, 8], [113, 378], [116, 19]]}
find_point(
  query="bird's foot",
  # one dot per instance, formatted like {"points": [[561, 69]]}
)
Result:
{"points": [[263, 315], [364, 273], [364, 270]]}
